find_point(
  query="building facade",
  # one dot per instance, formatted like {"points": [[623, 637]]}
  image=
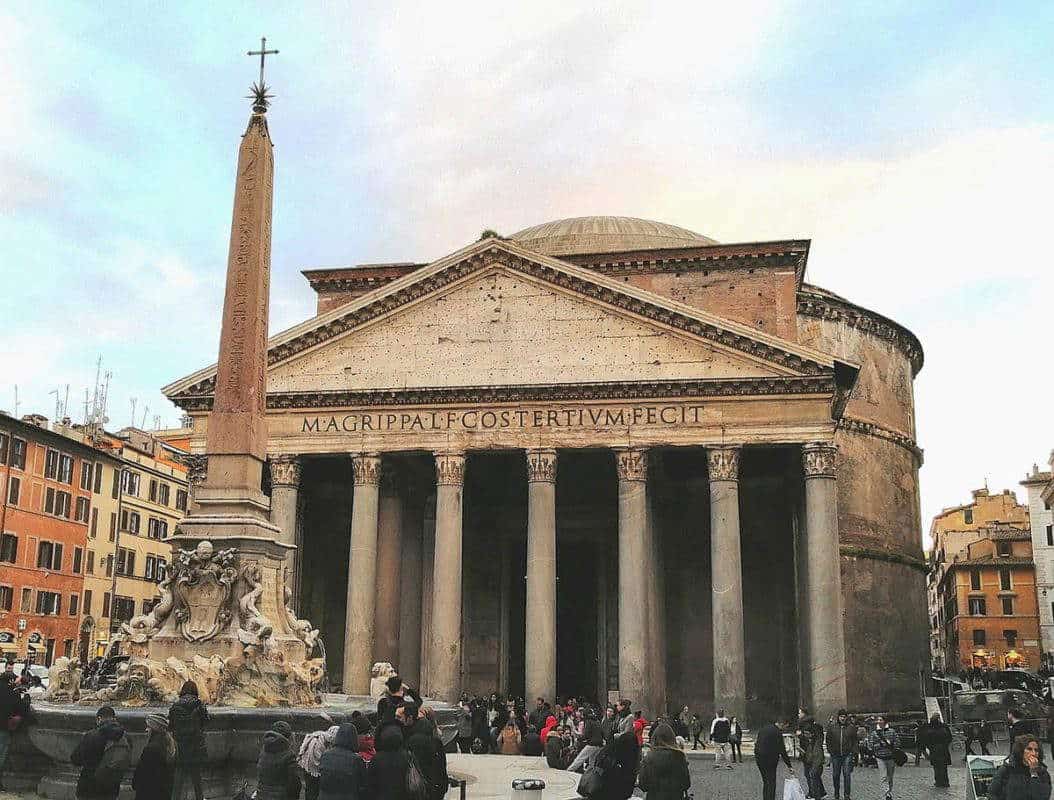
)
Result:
{"points": [[988, 592], [1042, 527], [51, 488], [564, 462]]}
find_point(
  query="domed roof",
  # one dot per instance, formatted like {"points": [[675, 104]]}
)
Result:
{"points": [[566, 237]]}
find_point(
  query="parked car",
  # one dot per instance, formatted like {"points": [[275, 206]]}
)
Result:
{"points": [[992, 705], [34, 669]]}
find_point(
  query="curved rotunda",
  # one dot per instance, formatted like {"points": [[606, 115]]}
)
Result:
{"points": [[603, 456]]}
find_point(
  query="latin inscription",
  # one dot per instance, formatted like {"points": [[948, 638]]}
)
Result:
{"points": [[503, 419]]}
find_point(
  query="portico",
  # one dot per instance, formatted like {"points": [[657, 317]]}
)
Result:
{"points": [[571, 485]]}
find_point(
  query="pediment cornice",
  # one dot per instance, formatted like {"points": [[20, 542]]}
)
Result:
{"points": [[786, 356]]}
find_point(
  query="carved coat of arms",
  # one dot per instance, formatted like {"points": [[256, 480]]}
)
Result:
{"points": [[203, 587]]}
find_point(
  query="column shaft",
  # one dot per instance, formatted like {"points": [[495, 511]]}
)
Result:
{"points": [[445, 660], [730, 680], [362, 576], [541, 575], [632, 466], [409, 663], [389, 567], [285, 491], [822, 595]]}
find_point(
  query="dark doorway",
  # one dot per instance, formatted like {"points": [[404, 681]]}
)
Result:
{"points": [[577, 593]]}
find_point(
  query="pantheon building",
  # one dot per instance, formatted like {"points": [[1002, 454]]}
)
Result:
{"points": [[603, 457]]}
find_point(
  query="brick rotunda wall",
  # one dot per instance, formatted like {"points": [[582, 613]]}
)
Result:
{"points": [[883, 580]]}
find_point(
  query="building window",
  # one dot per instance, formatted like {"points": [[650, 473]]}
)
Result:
{"points": [[65, 468], [978, 637], [977, 607], [181, 500], [968, 516], [4, 442], [87, 601], [113, 525], [7, 597], [1010, 636], [27, 601], [125, 562], [98, 477], [78, 556], [9, 548], [106, 604], [94, 530], [91, 563], [1008, 606], [67, 648], [49, 602], [116, 483], [151, 562], [74, 602], [1050, 536], [123, 608], [18, 454], [157, 528], [51, 464], [153, 491], [1004, 579], [109, 568], [14, 491], [159, 572], [975, 579], [163, 494], [130, 482], [82, 510], [130, 521], [57, 503], [49, 556], [1002, 548], [86, 475]]}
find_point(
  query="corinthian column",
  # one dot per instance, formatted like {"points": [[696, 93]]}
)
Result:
{"points": [[633, 560], [822, 592], [389, 567], [730, 678], [444, 662], [359, 627], [285, 489], [541, 574]]}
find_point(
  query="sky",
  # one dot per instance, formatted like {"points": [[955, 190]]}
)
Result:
{"points": [[912, 142]]}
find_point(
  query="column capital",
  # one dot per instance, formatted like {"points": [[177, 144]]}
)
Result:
{"points": [[723, 463], [285, 470], [366, 469], [450, 469], [819, 459], [631, 463], [541, 465], [197, 465]]}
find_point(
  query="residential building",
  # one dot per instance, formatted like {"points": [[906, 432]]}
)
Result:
{"points": [[951, 532], [1042, 524], [988, 595], [50, 487]]}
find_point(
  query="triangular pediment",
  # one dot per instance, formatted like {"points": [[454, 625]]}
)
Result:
{"points": [[494, 314]]}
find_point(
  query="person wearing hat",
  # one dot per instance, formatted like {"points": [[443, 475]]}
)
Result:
{"points": [[103, 754], [842, 745], [342, 772], [153, 776], [277, 776], [187, 719]]}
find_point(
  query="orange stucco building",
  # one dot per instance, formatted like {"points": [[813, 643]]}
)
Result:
{"points": [[988, 592]]}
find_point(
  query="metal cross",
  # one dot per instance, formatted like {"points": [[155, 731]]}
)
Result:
{"points": [[263, 52]]}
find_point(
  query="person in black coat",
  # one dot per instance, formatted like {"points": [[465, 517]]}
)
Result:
{"points": [[277, 775], [187, 719], [621, 761], [342, 772], [152, 779], [938, 738], [89, 753], [769, 749], [12, 704], [664, 775], [532, 742], [1015, 720], [1023, 776], [427, 751], [386, 777]]}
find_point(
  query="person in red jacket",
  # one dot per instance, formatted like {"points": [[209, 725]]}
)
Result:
{"points": [[639, 724]]}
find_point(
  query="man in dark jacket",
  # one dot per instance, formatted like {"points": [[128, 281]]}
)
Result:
{"points": [[103, 754], [13, 703], [187, 719], [769, 748], [938, 741], [386, 777], [842, 745], [1016, 725], [277, 777], [341, 770], [532, 742], [538, 714]]}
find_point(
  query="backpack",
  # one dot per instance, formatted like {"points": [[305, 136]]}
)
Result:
{"points": [[115, 761], [183, 722]]}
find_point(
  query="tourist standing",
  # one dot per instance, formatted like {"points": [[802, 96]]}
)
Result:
{"points": [[882, 741], [621, 761], [695, 728], [1015, 720], [938, 741], [13, 708], [842, 745], [813, 758], [984, 736], [684, 720], [639, 724], [277, 777], [341, 770], [720, 736], [103, 754], [769, 748], [539, 714], [386, 777], [309, 759], [592, 741], [735, 738], [152, 779], [1023, 776], [187, 719], [664, 775], [607, 725], [464, 728], [624, 717]]}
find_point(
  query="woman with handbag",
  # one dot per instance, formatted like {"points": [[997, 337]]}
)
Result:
{"points": [[885, 744], [664, 775]]}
